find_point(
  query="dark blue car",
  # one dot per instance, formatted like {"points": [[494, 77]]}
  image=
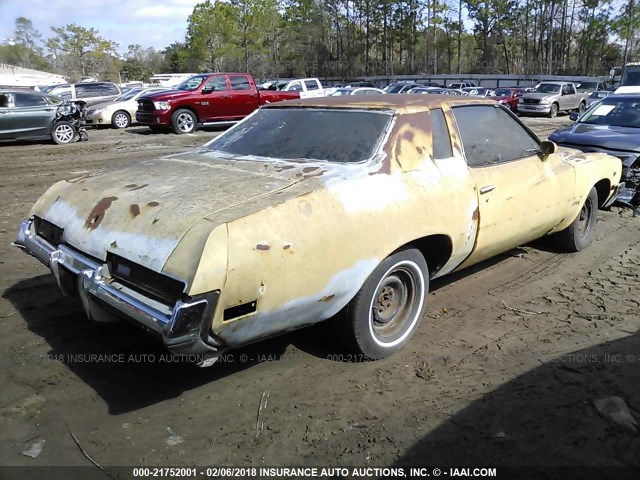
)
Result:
{"points": [[611, 126]]}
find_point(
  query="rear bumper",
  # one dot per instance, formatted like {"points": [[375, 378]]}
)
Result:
{"points": [[162, 117], [184, 327]]}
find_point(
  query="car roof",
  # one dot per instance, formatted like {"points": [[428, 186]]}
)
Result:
{"points": [[399, 103]]}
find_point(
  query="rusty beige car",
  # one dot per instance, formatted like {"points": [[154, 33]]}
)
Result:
{"points": [[311, 208]]}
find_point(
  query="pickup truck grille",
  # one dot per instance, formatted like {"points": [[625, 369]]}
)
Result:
{"points": [[146, 106], [531, 101]]}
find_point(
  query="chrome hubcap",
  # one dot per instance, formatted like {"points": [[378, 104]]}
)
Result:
{"points": [[64, 133], [185, 122]]}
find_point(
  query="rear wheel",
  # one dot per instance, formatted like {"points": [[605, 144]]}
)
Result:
{"points": [[579, 234], [582, 107], [387, 310], [120, 119], [183, 121], [63, 132]]}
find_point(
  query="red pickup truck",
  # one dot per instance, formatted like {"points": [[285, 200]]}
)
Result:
{"points": [[207, 99]]}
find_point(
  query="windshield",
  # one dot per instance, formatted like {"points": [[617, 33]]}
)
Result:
{"points": [[622, 112], [587, 86], [333, 135], [128, 95], [393, 88], [191, 83], [548, 88], [630, 77]]}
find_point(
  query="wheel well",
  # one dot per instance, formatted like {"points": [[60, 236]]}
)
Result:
{"points": [[121, 111], [603, 187], [187, 108], [436, 250]]}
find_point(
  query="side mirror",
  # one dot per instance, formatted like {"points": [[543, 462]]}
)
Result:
{"points": [[548, 147], [573, 116]]}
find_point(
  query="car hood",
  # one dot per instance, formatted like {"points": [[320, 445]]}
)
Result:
{"points": [[112, 105], [142, 211], [603, 136], [166, 95], [538, 96]]}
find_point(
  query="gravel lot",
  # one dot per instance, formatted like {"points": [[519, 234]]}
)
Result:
{"points": [[504, 369]]}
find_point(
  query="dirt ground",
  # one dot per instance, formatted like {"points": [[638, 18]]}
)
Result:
{"points": [[504, 369]]}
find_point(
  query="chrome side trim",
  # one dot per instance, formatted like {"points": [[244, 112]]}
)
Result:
{"points": [[184, 327]]}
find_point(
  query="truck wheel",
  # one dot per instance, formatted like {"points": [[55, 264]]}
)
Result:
{"points": [[553, 111], [582, 107], [120, 119], [63, 132], [183, 121], [386, 311], [579, 234]]}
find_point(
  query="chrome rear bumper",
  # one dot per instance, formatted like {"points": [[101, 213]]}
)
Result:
{"points": [[184, 327]]}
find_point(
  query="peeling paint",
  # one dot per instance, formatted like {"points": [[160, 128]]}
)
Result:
{"points": [[97, 213], [263, 246], [134, 209]]}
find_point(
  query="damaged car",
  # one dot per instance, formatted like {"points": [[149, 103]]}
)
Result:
{"points": [[612, 126], [268, 228]]}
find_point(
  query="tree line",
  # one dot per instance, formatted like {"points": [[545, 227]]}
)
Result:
{"points": [[355, 38]]}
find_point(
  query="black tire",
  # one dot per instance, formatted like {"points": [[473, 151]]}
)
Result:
{"points": [[63, 133], [120, 119], [553, 111], [183, 121], [398, 289], [582, 107], [579, 234]]}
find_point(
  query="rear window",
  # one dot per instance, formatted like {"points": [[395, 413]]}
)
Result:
{"points": [[345, 136]]}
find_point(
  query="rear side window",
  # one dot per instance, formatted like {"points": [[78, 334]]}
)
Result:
{"points": [[26, 100], [311, 84], [240, 83], [491, 136], [440, 135], [109, 89], [87, 90]]}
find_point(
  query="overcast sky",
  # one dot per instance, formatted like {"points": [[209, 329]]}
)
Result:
{"points": [[151, 23]]}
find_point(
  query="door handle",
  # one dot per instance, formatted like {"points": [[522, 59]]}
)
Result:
{"points": [[487, 189]]}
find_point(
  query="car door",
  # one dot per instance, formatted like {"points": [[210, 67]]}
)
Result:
{"points": [[214, 101], [245, 98], [29, 116], [521, 194], [566, 99]]}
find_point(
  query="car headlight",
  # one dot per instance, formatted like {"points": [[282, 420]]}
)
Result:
{"points": [[545, 100], [96, 112], [162, 105]]}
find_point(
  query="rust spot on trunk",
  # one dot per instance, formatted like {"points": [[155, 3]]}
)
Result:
{"points": [[328, 298], [263, 246], [134, 209], [97, 213], [153, 204]]}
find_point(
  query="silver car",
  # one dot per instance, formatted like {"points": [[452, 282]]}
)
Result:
{"points": [[118, 113]]}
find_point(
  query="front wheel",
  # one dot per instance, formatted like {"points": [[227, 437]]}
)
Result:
{"points": [[553, 111], [387, 310], [120, 119], [183, 121], [63, 132], [579, 234]]}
